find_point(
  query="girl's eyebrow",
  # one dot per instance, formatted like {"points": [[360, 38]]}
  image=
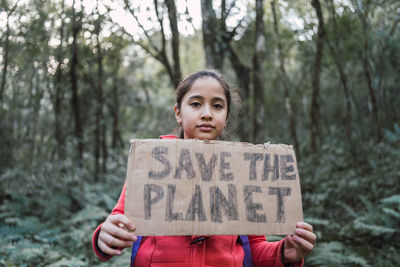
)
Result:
{"points": [[216, 98], [196, 96]]}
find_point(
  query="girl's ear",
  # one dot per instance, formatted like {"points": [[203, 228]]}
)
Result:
{"points": [[177, 114]]}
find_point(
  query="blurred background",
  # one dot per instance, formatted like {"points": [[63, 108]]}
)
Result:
{"points": [[79, 79]]}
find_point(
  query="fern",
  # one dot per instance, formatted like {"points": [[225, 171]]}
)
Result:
{"points": [[374, 230], [334, 254], [394, 199]]}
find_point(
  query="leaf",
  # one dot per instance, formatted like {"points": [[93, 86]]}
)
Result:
{"points": [[91, 213], [357, 260], [316, 221], [392, 212], [394, 199], [349, 210], [68, 262], [375, 230]]}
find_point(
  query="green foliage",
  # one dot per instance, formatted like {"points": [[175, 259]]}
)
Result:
{"points": [[362, 201], [334, 254], [50, 202], [50, 219]]}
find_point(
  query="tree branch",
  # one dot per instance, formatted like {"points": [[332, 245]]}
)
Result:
{"points": [[141, 26]]}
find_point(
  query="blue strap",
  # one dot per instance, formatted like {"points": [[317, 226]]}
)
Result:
{"points": [[247, 253], [135, 249]]}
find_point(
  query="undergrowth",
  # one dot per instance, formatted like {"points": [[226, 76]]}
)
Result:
{"points": [[49, 210]]}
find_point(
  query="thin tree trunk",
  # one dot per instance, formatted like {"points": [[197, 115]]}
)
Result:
{"points": [[286, 84], [5, 63], [173, 22], [6, 54], [76, 27], [243, 75], [334, 50], [37, 96], [58, 136], [25, 137], [367, 72], [315, 109], [116, 136], [258, 56], [100, 124]]}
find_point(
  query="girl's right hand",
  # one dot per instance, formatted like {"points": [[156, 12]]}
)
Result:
{"points": [[115, 234]]}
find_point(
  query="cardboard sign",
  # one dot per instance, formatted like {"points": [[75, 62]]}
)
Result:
{"points": [[197, 187]]}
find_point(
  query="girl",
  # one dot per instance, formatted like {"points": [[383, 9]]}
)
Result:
{"points": [[202, 108]]}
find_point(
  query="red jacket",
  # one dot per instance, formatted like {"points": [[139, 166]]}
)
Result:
{"points": [[171, 251]]}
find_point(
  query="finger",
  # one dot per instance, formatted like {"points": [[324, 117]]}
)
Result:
{"points": [[307, 235], [117, 232], [111, 241], [304, 244], [108, 250], [120, 218], [292, 243], [305, 225]]}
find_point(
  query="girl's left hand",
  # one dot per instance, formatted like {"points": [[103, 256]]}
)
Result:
{"points": [[299, 245]]}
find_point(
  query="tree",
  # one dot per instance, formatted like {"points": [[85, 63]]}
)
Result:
{"points": [[286, 83], [315, 110], [258, 57], [363, 13], [334, 48], [76, 27], [58, 94], [6, 51], [217, 41], [213, 45], [160, 53], [100, 128]]}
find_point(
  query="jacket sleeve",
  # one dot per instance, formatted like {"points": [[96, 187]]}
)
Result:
{"points": [[118, 209], [266, 253]]}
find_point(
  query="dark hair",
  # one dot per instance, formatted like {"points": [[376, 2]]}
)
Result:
{"points": [[186, 84]]}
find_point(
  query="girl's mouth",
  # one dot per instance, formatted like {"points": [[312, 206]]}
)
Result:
{"points": [[206, 127]]}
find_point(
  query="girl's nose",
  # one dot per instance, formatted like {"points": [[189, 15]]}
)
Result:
{"points": [[206, 113]]}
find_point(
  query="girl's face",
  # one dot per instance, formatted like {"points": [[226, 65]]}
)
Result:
{"points": [[203, 110]]}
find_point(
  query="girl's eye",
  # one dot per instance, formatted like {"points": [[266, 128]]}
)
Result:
{"points": [[218, 106], [195, 104]]}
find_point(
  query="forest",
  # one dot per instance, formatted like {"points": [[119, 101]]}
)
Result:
{"points": [[79, 79]]}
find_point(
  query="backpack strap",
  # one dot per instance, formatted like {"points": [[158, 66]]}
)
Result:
{"points": [[135, 249], [247, 262]]}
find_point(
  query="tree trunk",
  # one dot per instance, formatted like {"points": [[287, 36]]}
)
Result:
{"points": [[243, 75], [6, 54], [334, 50], [217, 45], [367, 72], [99, 133], [116, 136], [211, 44], [76, 27], [5, 63], [286, 84], [258, 56], [173, 22], [58, 136], [315, 110]]}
